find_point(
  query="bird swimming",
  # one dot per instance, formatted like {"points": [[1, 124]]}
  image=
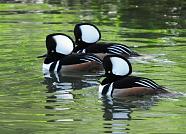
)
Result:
{"points": [[119, 83], [87, 36], [59, 55]]}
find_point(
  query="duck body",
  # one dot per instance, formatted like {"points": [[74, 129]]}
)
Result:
{"points": [[60, 57], [73, 62], [119, 83], [86, 39], [102, 49], [129, 86]]}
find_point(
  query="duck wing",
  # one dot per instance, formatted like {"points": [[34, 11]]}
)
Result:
{"points": [[79, 58], [133, 81]]}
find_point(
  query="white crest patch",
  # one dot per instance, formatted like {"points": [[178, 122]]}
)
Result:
{"points": [[119, 66], [109, 93], [89, 34], [64, 45]]}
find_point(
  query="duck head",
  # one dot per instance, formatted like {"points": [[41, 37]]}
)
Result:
{"points": [[86, 34], [116, 66], [59, 43], [58, 46]]}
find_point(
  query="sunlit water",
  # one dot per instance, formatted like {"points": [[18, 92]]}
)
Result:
{"points": [[33, 103]]}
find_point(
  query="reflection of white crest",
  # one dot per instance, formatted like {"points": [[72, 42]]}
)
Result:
{"points": [[120, 115], [119, 66], [64, 44], [63, 94], [89, 34]]}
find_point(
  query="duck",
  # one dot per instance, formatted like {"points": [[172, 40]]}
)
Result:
{"points": [[87, 38], [60, 58], [119, 82]]}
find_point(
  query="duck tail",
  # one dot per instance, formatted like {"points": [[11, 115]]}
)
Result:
{"points": [[135, 54], [164, 90]]}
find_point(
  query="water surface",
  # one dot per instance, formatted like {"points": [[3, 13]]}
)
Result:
{"points": [[33, 103]]}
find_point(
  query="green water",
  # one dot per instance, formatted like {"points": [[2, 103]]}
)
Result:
{"points": [[32, 104]]}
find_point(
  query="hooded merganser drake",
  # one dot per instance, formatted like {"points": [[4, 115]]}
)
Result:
{"points": [[59, 55], [86, 38], [118, 83]]}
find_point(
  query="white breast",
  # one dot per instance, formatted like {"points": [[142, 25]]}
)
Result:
{"points": [[46, 67], [109, 92]]}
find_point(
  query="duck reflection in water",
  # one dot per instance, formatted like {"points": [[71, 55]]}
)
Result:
{"points": [[113, 110], [121, 109], [59, 90], [62, 84], [57, 81], [118, 112]]}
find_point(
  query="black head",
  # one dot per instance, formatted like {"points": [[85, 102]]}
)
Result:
{"points": [[86, 34], [116, 66], [59, 43]]}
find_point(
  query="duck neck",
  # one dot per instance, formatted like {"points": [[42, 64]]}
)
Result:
{"points": [[51, 57], [81, 46], [110, 79]]}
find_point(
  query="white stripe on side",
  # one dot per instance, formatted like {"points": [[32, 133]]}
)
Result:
{"points": [[109, 93], [143, 84], [125, 47], [85, 60], [152, 82], [114, 52], [146, 82], [122, 46], [57, 64], [118, 48], [94, 59], [57, 76], [91, 58]]}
